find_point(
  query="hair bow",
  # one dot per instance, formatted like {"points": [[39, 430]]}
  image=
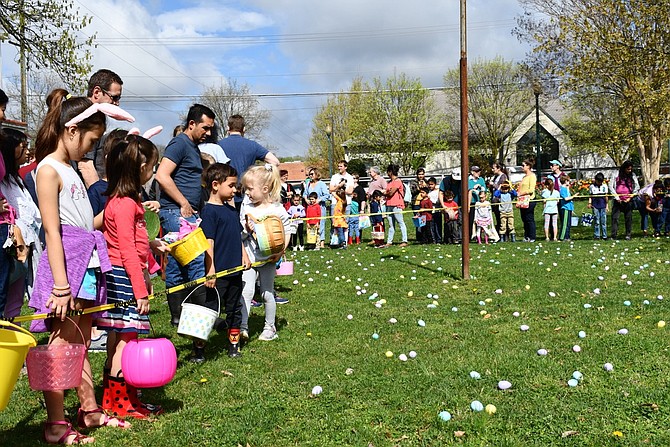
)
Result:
{"points": [[268, 167], [115, 112]]}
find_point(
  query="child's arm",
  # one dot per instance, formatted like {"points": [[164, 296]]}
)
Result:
{"points": [[246, 262], [210, 269], [47, 178], [647, 204]]}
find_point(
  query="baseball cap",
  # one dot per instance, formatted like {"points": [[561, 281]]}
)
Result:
{"points": [[475, 168], [556, 162]]}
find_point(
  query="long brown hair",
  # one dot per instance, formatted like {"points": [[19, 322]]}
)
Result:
{"points": [[124, 163], [61, 110]]}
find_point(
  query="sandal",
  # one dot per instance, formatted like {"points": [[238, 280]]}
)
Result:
{"points": [[81, 422], [69, 431]]}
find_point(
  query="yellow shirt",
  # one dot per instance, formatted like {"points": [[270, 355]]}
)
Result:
{"points": [[527, 185]]}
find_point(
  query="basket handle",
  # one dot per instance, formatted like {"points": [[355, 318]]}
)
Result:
{"points": [[203, 285], [15, 327], [78, 329]]}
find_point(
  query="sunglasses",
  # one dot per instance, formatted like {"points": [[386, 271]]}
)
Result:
{"points": [[114, 98]]}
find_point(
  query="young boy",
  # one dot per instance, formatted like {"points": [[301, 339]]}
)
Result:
{"points": [[451, 230], [567, 206], [376, 219], [436, 222], [352, 220], [506, 196], [222, 228], [313, 212], [598, 201]]}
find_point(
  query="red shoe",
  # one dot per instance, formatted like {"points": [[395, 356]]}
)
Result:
{"points": [[117, 401]]}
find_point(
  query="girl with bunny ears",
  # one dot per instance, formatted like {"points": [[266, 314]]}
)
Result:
{"points": [[71, 267]]}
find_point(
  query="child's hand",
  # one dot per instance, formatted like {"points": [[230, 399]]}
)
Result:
{"points": [[147, 282], [143, 306], [60, 305], [152, 205], [4, 206], [158, 247], [589, 206], [246, 262], [210, 283]]}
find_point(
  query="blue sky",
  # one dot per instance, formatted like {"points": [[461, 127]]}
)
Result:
{"points": [[167, 51]]}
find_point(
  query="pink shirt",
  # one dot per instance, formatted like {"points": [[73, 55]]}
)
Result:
{"points": [[127, 240], [397, 199]]}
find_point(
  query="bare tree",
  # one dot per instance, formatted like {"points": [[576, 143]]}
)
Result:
{"points": [[39, 84]]}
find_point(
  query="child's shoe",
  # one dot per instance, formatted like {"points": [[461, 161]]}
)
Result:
{"points": [[234, 350], [244, 335], [301, 247], [198, 353], [280, 300], [269, 333]]}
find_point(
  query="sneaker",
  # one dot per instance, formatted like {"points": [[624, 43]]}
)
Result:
{"points": [[198, 355], [301, 247], [244, 335], [255, 303], [280, 300], [99, 344], [295, 248], [234, 350], [403, 244], [269, 333]]}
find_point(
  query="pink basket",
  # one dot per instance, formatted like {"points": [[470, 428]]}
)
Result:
{"points": [[55, 367], [286, 268], [149, 362]]}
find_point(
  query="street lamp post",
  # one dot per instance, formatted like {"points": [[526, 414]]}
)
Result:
{"points": [[329, 134]]}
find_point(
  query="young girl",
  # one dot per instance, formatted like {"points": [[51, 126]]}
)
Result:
{"points": [[551, 198], [339, 219], [70, 271], [129, 165], [353, 220], [262, 188], [297, 211], [484, 219], [567, 206]]}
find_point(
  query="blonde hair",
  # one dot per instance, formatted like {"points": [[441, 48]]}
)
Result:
{"points": [[265, 175]]}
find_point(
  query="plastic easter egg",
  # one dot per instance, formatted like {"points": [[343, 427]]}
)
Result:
{"points": [[504, 385], [661, 324], [402, 357], [524, 327], [393, 321], [659, 297], [552, 294], [626, 303], [608, 367], [475, 375], [622, 331], [412, 354], [454, 309], [577, 375], [587, 306], [375, 336], [475, 405], [542, 351], [389, 354], [482, 303], [577, 348], [444, 416], [350, 317], [410, 293], [499, 291], [421, 323], [582, 334], [645, 302], [527, 287], [317, 390], [516, 314], [573, 383], [596, 291], [490, 409]]}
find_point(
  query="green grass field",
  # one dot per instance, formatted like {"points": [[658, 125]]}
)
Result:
{"points": [[368, 399]]}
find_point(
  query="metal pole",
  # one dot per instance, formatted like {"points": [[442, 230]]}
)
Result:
{"points": [[465, 198], [537, 133]]}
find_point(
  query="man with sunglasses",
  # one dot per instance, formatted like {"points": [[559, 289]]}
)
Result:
{"points": [[104, 86]]}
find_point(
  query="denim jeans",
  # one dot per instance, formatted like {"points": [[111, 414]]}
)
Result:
{"points": [[176, 274], [599, 223], [354, 230], [396, 216], [322, 223], [5, 263], [641, 206]]}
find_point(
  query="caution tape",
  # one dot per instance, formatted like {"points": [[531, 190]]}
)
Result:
{"points": [[131, 302]]}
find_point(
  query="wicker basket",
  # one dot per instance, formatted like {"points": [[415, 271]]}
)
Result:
{"points": [[269, 232], [189, 248]]}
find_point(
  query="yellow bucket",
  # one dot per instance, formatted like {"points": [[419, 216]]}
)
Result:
{"points": [[189, 248], [14, 345]]}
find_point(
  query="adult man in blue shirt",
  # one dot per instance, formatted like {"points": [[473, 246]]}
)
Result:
{"points": [[243, 153], [179, 176]]}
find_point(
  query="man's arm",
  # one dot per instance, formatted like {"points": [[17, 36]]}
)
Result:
{"points": [[167, 184], [271, 158]]}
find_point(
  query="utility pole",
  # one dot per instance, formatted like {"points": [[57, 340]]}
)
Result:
{"points": [[465, 197], [23, 64]]}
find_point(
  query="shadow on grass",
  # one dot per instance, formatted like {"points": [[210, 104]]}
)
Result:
{"points": [[395, 257]]}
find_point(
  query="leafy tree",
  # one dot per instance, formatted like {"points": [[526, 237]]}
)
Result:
{"points": [[397, 122], [46, 34], [614, 48], [231, 98], [335, 115], [498, 99]]}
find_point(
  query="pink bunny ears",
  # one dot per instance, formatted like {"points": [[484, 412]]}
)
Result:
{"points": [[148, 134], [115, 112]]}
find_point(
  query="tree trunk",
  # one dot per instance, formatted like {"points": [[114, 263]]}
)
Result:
{"points": [[650, 157]]}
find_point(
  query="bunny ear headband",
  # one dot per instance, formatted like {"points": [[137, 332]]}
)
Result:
{"points": [[115, 112], [148, 134]]}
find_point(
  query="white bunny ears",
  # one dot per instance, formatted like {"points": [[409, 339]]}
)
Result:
{"points": [[148, 134], [111, 110]]}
